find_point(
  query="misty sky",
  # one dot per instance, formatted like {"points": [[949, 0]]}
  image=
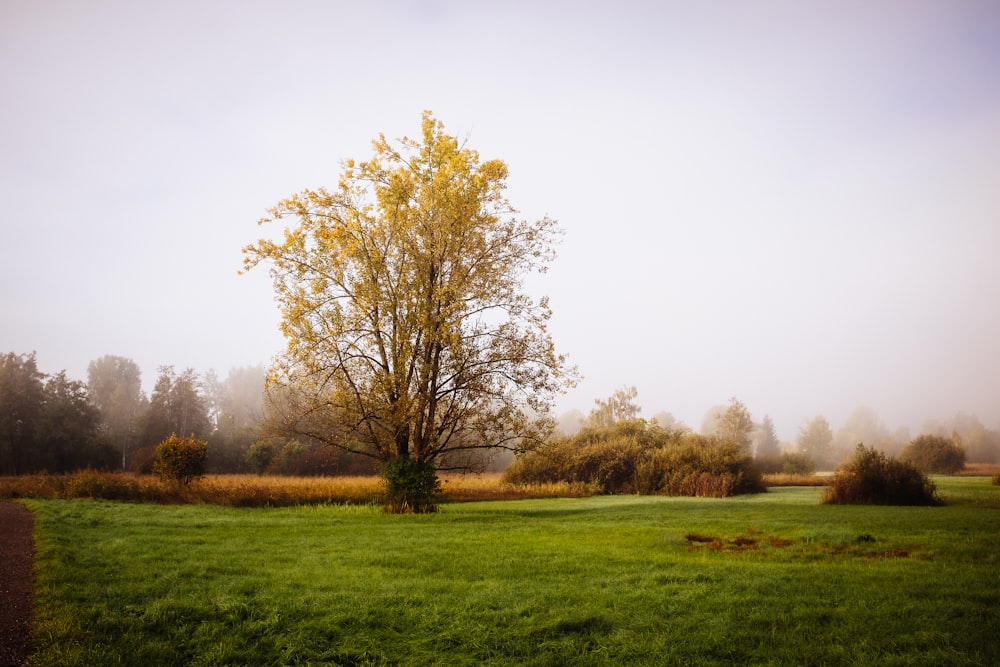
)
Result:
{"points": [[794, 203]]}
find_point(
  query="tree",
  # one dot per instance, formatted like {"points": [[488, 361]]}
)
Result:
{"points": [[982, 445], [735, 425], [175, 406], [114, 385], [21, 399], [766, 444], [570, 422], [814, 441], [236, 407], [66, 431], [934, 454], [620, 405], [667, 421], [409, 334], [864, 425]]}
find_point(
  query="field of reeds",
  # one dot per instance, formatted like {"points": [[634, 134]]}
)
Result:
{"points": [[265, 491]]}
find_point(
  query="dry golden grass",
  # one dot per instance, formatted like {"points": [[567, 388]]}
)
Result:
{"points": [[980, 470], [783, 479], [264, 491], [464, 488]]}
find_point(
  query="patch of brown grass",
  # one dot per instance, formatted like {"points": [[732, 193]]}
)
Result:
{"points": [[753, 541]]}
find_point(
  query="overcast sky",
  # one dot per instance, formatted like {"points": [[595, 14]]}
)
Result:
{"points": [[794, 203]]}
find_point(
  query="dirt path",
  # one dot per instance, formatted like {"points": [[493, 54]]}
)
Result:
{"points": [[16, 554]]}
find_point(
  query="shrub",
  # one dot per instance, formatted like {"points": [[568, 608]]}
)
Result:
{"points": [[797, 463], [143, 460], [872, 478], [180, 459], [411, 486], [260, 455], [934, 454], [632, 457], [770, 464], [285, 461]]}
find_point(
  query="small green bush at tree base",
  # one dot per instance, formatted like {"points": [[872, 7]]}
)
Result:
{"points": [[934, 454], [180, 459], [872, 478], [411, 486]]}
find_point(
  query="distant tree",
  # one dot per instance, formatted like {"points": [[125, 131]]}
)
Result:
{"points": [[22, 394], [236, 408], [667, 421], [613, 409], [735, 425], [261, 453], [864, 425], [982, 445], [114, 385], [410, 335], [710, 422], [67, 429], [175, 406], [766, 444], [814, 441], [934, 454], [569, 422]]}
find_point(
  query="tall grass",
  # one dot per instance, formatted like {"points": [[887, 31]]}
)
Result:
{"points": [[773, 579], [264, 491]]}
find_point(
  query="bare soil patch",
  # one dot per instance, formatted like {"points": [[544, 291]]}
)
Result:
{"points": [[16, 555]]}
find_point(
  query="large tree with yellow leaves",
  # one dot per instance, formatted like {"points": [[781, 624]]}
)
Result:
{"points": [[410, 336]]}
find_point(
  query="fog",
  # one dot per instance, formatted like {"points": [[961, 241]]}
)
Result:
{"points": [[794, 204]]}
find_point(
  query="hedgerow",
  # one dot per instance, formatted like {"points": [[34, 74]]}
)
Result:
{"points": [[636, 457]]}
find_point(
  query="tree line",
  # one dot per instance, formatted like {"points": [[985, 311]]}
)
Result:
{"points": [[817, 445], [52, 423]]}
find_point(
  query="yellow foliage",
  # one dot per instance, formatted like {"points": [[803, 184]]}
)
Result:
{"points": [[401, 297]]}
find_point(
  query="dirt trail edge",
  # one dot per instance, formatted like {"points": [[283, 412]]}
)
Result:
{"points": [[16, 556]]}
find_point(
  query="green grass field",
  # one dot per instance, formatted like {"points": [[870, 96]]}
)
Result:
{"points": [[770, 579]]}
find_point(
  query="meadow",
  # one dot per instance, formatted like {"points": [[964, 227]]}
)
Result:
{"points": [[771, 579]]}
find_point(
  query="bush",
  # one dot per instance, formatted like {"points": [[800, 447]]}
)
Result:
{"points": [[797, 463], [769, 465], [632, 457], [934, 454], [180, 459], [260, 455], [411, 486], [872, 478]]}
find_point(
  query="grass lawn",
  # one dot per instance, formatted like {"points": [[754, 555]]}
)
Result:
{"points": [[769, 579]]}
